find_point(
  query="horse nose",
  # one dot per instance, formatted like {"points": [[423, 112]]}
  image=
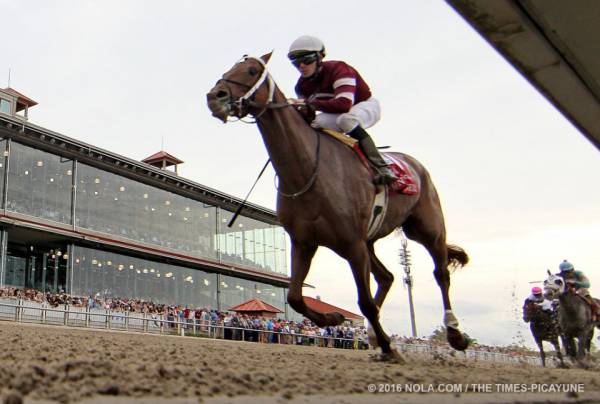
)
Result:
{"points": [[222, 95], [219, 93], [218, 102]]}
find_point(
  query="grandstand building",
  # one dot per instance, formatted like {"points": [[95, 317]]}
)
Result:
{"points": [[83, 220]]}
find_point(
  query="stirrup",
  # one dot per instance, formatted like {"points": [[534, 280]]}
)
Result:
{"points": [[384, 176]]}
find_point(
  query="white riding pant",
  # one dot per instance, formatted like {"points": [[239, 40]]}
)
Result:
{"points": [[365, 114]]}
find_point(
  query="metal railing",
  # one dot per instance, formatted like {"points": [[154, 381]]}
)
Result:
{"points": [[471, 354], [25, 311]]}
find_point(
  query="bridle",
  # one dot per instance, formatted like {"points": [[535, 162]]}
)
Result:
{"points": [[240, 108]]}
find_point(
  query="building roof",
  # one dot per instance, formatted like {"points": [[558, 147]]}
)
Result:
{"points": [[255, 305], [22, 100], [553, 44], [160, 156], [322, 307]]}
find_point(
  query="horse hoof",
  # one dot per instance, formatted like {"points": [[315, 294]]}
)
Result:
{"points": [[456, 339], [371, 337], [393, 356]]}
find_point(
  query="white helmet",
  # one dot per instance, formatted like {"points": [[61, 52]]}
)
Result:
{"points": [[304, 45]]}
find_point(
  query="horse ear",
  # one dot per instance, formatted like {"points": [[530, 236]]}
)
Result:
{"points": [[265, 58]]}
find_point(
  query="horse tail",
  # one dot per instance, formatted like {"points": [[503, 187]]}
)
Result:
{"points": [[457, 257]]}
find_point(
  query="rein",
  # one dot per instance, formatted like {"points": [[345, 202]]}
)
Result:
{"points": [[312, 178]]}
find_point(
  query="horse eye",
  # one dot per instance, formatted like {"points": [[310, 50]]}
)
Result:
{"points": [[252, 71]]}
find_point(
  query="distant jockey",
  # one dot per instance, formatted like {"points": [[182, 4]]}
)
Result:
{"points": [[578, 281], [536, 297]]}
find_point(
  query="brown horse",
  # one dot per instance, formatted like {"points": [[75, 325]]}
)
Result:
{"points": [[325, 198], [544, 327]]}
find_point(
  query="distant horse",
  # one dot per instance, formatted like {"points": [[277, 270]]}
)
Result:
{"points": [[325, 198], [544, 327], [574, 317]]}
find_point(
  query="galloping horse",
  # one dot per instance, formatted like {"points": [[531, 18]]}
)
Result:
{"points": [[574, 317], [325, 197], [544, 327]]}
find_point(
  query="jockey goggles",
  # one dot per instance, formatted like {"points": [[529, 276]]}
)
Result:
{"points": [[305, 59]]}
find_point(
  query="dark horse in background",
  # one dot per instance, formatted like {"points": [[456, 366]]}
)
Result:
{"points": [[544, 327], [325, 197], [574, 317]]}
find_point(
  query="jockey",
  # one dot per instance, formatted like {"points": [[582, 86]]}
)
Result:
{"points": [[340, 95], [537, 297], [580, 283]]}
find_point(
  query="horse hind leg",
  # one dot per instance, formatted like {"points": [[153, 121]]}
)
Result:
{"points": [[432, 236]]}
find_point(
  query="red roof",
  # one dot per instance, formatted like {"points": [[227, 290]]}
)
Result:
{"points": [[255, 305], [21, 99], [322, 307], [160, 156]]}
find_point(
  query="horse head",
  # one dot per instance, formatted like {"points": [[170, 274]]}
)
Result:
{"points": [[239, 90], [554, 285]]}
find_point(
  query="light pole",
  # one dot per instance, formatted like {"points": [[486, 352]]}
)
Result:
{"points": [[408, 281]]}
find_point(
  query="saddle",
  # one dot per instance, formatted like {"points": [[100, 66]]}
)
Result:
{"points": [[594, 307], [405, 184]]}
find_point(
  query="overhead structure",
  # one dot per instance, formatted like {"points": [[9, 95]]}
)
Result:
{"points": [[553, 44]]}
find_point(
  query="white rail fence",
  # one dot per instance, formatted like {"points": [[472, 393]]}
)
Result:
{"points": [[25, 311]]}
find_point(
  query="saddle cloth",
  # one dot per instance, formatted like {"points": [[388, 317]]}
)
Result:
{"points": [[405, 184]]}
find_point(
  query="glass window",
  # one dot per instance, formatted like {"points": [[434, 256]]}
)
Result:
{"points": [[5, 106], [3, 159], [39, 184], [250, 242], [117, 205], [111, 275]]}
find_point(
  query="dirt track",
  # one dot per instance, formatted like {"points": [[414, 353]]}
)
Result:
{"points": [[67, 365]]}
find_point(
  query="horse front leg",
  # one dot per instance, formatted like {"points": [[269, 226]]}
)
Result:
{"points": [[569, 344], [558, 352], [540, 345], [302, 256], [382, 275], [360, 262]]}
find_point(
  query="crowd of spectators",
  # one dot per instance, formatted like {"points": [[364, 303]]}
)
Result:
{"points": [[239, 326], [228, 325]]}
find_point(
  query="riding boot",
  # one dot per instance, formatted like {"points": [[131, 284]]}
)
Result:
{"points": [[595, 311], [384, 174], [593, 306]]}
